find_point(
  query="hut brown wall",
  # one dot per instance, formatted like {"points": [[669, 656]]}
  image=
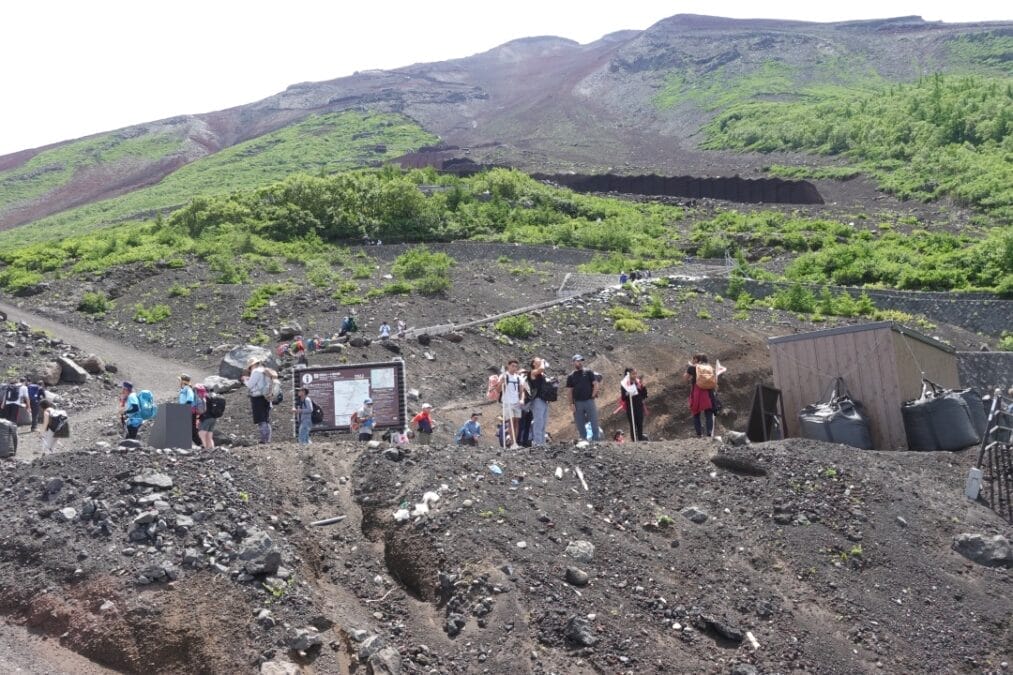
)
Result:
{"points": [[876, 364]]}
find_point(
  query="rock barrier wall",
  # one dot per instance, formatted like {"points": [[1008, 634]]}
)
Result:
{"points": [[979, 312], [486, 250], [986, 371], [733, 189]]}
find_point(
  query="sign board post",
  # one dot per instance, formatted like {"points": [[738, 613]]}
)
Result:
{"points": [[340, 390]]}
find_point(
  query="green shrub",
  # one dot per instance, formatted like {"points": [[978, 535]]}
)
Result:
{"points": [[656, 310], [1006, 342], [362, 272], [519, 326], [179, 291], [703, 314], [259, 298], [14, 280], [227, 270], [630, 326], [619, 312], [419, 262], [432, 284], [94, 302], [397, 288], [795, 298], [345, 288], [151, 315], [744, 301], [319, 273], [273, 266]]}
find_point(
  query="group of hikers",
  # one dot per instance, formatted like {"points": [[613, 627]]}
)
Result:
{"points": [[21, 398], [526, 395], [300, 348]]}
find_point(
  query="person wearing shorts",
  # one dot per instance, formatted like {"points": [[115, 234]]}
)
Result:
{"points": [[512, 387]]}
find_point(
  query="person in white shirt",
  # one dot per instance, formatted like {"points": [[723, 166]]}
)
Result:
{"points": [[258, 383], [513, 387], [384, 331]]}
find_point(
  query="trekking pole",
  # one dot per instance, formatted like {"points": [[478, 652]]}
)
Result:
{"points": [[633, 418]]}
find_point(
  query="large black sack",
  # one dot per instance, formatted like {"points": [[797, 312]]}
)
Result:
{"points": [[838, 419], [976, 409], [8, 439], [939, 420]]}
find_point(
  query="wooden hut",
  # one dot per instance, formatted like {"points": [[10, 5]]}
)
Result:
{"points": [[882, 365]]}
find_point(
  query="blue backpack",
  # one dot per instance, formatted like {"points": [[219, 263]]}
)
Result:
{"points": [[148, 408]]}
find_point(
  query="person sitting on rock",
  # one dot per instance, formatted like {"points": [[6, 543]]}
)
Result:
{"points": [[423, 424], [384, 331], [470, 432]]}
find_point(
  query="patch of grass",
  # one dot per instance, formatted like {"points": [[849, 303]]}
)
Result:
{"points": [[657, 310], [94, 302], [703, 314], [151, 315], [518, 326], [630, 326], [259, 298], [363, 272], [1006, 342], [179, 291]]}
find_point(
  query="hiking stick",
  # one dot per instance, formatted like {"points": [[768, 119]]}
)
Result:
{"points": [[633, 417]]}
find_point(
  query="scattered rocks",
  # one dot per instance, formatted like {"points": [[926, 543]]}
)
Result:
{"points": [[289, 331], [153, 479], [579, 632], [695, 514], [259, 553], [234, 363], [71, 372], [279, 667], [304, 639], [581, 551], [221, 385], [576, 576], [993, 551], [93, 364], [719, 628]]}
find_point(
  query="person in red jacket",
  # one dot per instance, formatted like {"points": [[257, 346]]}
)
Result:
{"points": [[701, 401], [423, 424]]}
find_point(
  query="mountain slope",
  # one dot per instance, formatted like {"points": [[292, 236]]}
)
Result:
{"points": [[632, 101]]}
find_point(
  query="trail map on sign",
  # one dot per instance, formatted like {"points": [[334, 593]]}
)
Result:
{"points": [[339, 390], [348, 397]]}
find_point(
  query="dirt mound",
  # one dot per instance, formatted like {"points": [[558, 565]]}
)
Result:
{"points": [[834, 561]]}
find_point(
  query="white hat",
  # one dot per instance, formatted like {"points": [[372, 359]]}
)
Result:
{"points": [[426, 405]]}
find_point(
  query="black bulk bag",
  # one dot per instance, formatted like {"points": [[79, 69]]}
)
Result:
{"points": [[976, 408], [839, 419], [939, 420], [8, 439]]}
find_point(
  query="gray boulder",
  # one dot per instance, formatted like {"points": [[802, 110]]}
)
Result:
{"points": [[278, 667], [71, 372], [581, 551], [220, 385], [259, 553], [93, 364], [387, 661], [49, 373], [234, 363], [989, 551], [289, 331], [153, 479], [304, 639]]}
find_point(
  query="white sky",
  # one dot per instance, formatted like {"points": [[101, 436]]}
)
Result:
{"points": [[69, 68]]}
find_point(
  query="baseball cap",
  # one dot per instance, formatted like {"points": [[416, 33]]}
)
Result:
{"points": [[577, 357], [184, 377], [426, 405], [368, 401], [128, 385]]}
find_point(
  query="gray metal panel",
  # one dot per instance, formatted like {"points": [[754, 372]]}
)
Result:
{"points": [[843, 330]]}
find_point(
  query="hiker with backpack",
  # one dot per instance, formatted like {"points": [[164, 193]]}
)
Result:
{"points": [[347, 326], [12, 402], [513, 390], [584, 385], [54, 425], [130, 411], [258, 385], [424, 425], [543, 391], [36, 392], [703, 379], [189, 398], [632, 394], [303, 410], [205, 420]]}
